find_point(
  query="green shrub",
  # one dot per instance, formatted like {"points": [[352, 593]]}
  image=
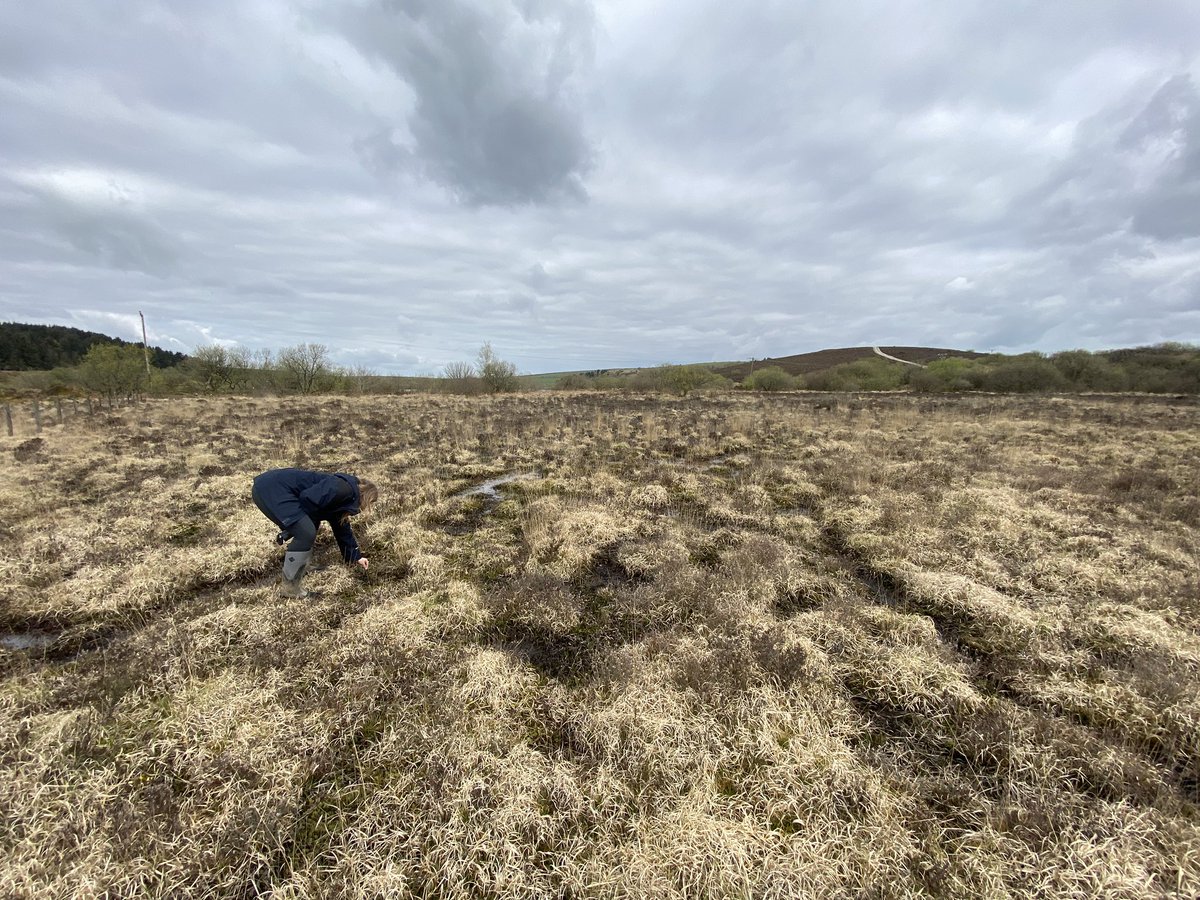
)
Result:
{"points": [[952, 374], [1028, 373], [574, 382], [1170, 368], [114, 371], [681, 380], [873, 374], [1086, 371], [772, 378]]}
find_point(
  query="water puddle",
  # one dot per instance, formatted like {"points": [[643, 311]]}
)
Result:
{"points": [[29, 640], [727, 461], [489, 489], [471, 516]]}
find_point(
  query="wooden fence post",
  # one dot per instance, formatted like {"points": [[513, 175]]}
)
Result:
{"points": [[37, 417], [58, 406], [89, 404], [8, 419]]}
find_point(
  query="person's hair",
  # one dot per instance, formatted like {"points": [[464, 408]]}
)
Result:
{"points": [[369, 493]]}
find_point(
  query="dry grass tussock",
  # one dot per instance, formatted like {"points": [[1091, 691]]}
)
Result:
{"points": [[730, 646]]}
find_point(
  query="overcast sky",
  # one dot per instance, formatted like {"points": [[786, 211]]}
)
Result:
{"points": [[598, 183]]}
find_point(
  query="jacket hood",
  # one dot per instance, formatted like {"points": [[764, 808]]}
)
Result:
{"points": [[352, 506]]}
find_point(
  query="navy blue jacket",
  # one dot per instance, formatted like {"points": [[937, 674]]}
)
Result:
{"points": [[291, 494]]}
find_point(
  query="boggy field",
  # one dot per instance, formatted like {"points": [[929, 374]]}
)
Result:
{"points": [[716, 647]]}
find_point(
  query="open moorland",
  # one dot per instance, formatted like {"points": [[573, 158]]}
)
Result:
{"points": [[732, 646]]}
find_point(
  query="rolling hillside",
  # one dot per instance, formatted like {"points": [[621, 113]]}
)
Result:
{"points": [[807, 363]]}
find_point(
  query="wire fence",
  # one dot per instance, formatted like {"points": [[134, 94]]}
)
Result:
{"points": [[31, 417]]}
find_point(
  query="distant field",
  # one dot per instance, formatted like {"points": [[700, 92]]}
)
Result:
{"points": [[732, 646], [544, 381]]}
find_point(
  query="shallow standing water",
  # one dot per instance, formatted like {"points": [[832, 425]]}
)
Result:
{"points": [[488, 488], [30, 640]]}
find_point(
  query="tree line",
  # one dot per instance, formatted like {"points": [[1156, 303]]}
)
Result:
{"points": [[25, 347], [118, 371], [1170, 368]]}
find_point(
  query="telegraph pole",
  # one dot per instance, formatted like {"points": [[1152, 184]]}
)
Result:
{"points": [[145, 346]]}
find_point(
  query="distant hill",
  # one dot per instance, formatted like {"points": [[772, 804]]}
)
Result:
{"points": [[24, 347], [807, 363]]}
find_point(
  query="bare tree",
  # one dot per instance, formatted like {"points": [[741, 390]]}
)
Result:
{"points": [[212, 367], [461, 378], [305, 367], [358, 378], [241, 367], [498, 375]]}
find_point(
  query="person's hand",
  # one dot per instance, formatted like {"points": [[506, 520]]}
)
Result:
{"points": [[364, 563]]}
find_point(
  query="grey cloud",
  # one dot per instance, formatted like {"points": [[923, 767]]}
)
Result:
{"points": [[124, 325], [380, 154], [264, 287], [495, 119], [847, 102], [523, 303], [1171, 114], [1170, 124], [1018, 332], [205, 94], [1170, 214], [1182, 295], [116, 234], [408, 326], [1132, 165], [378, 358], [537, 277], [761, 179]]}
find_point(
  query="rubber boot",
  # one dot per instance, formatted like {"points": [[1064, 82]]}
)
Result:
{"points": [[295, 564]]}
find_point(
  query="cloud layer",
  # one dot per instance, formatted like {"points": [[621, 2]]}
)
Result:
{"points": [[603, 184]]}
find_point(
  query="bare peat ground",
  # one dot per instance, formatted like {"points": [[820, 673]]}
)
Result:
{"points": [[725, 646]]}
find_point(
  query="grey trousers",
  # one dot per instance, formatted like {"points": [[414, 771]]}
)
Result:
{"points": [[303, 531]]}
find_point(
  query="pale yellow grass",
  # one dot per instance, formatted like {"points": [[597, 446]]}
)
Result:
{"points": [[717, 647]]}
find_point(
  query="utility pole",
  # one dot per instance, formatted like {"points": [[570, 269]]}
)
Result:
{"points": [[145, 347]]}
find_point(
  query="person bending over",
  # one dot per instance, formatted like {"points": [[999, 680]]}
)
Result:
{"points": [[297, 501]]}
